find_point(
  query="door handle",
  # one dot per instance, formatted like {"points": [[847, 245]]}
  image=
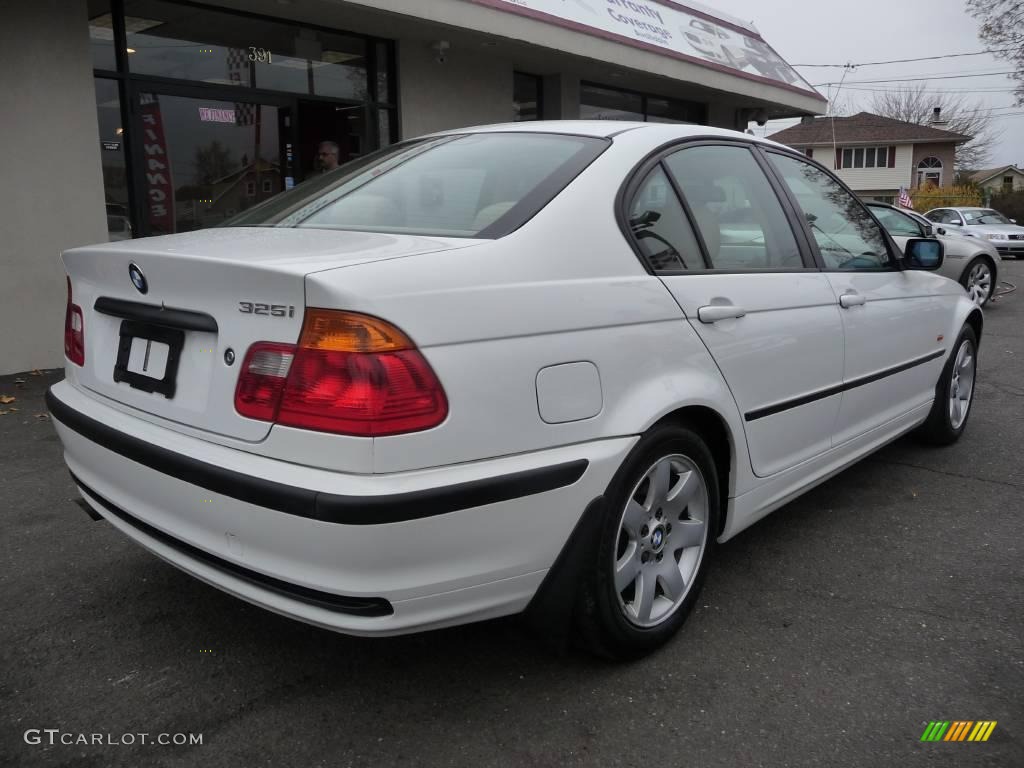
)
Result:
{"points": [[852, 299], [712, 313]]}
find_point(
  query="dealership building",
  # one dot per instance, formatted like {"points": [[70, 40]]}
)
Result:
{"points": [[131, 118]]}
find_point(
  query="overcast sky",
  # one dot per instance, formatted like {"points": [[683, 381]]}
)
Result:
{"points": [[837, 31]]}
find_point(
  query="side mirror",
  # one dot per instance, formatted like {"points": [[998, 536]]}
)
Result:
{"points": [[923, 254], [940, 231]]}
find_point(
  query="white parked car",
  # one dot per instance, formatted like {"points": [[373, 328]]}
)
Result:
{"points": [[971, 261], [983, 223], [501, 369]]}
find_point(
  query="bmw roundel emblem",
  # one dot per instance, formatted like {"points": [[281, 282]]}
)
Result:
{"points": [[138, 279], [657, 537]]}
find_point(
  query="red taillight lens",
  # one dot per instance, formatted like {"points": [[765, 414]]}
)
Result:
{"points": [[350, 374], [264, 373], [74, 331]]}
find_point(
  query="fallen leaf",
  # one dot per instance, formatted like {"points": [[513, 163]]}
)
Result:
{"points": [[35, 372], [43, 416], [5, 399]]}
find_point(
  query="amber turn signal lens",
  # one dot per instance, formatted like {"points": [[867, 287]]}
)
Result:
{"points": [[334, 331]]}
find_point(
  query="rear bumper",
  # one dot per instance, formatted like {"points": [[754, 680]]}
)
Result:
{"points": [[364, 554]]}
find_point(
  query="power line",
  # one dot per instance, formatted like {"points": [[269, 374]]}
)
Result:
{"points": [[916, 79], [906, 61]]}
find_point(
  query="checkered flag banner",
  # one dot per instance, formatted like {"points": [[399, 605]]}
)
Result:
{"points": [[238, 72], [238, 66], [245, 114]]}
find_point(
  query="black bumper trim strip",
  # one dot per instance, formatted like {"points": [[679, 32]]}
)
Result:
{"points": [[182, 319], [317, 505], [357, 606], [771, 410]]}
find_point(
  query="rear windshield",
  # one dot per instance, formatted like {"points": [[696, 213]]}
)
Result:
{"points": [[468, 185]]}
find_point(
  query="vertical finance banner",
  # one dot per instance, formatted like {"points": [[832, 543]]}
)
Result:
{"points": [[159, 185]]}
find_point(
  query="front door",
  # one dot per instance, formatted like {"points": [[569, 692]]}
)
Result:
{"points": [[893, 319], [735, 266]]}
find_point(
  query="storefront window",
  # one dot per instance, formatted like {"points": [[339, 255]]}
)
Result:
{"points": [[526, 96], [206, 160], [601, 103], [385, 83], [115, 178], [101, 35], [598, 103], [191, 43]]}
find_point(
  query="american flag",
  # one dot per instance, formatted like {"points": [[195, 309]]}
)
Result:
{"points": [[905, 201]]}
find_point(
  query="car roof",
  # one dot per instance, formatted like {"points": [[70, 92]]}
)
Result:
{"points": [[609, 129]]}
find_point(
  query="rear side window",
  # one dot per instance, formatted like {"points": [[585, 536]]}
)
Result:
{"points": [[736, 210], [660, 227], [470, 185]]}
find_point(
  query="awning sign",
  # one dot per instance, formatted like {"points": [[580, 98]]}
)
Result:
{"points": [[677, 30]]}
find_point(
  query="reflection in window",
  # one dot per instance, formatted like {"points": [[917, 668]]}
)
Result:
{"points": [[736, 210], [599, 102], [847, 237], [205, 160], [115, 180], [101, 35], [526, 90], [193, 43], [661, 228]]}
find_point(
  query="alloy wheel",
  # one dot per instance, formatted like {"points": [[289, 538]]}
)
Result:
{"points": [[663, 533], [979, 283], [961, 388]]}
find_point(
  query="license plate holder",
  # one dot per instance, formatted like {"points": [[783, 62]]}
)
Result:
{"points": [[172, 337]]}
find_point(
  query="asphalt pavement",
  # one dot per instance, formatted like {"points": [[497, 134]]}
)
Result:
{"points": [[829, 634]]}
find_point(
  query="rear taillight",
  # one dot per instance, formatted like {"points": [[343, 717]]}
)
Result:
{"points": [[350, 374], [74, 331]]}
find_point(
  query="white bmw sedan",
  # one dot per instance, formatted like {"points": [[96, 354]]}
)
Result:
{"points": [[542, 367]]}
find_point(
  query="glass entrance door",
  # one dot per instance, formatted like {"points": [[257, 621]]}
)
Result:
{"points": [[202, 160]]}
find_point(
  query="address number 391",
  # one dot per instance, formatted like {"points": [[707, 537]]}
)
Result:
{"points": [[261, 55]]}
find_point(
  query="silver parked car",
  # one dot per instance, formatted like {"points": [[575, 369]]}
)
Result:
{"points": [[971, 261], [982, 223]]}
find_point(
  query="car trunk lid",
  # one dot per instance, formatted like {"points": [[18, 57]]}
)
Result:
{"points": [[168, 319]]}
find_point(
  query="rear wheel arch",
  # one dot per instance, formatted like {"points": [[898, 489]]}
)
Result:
{"points": [[714, 430]]}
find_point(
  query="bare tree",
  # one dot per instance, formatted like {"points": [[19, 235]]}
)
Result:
{"points": [[1002, 30], [958, 114]]}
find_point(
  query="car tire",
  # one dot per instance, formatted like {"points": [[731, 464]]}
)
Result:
{"points": [[979, 280], [658, 532], [954, 393]]}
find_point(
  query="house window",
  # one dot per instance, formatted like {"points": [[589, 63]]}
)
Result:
{"points": [[865, 157], [266, 185], [809, 152], [929, 172], [250, 189], [1007, 183]]}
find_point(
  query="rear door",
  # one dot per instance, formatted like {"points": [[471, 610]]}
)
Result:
{"points": [[893, 318], [709, 222]]}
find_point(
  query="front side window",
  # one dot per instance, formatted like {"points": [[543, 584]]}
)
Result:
{"points": [[846, 235], [469, 185], [937, 216], [736, 210], [897, 223], [660, 227]]}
